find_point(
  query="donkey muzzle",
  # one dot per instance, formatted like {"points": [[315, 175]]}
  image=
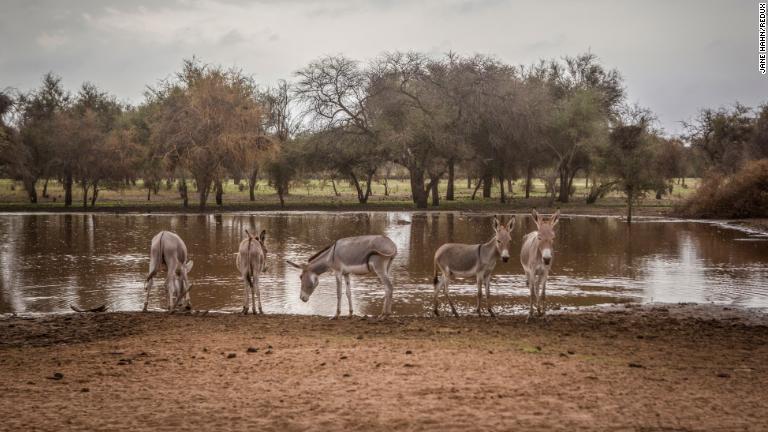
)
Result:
{"points": [[505, 258], [547, 261]]}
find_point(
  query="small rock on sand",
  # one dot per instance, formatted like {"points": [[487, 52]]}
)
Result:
{"points": [[231, 355]]}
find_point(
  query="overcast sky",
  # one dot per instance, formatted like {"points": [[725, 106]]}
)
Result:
{"points": [[675, 56]]}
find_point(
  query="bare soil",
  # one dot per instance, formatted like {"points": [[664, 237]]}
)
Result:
{"points": [[654, 368]]}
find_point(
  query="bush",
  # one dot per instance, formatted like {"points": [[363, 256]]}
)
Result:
{"points": [[741, 195]]}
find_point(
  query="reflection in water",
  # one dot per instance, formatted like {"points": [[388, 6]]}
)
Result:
{"points": [[49, 261]]}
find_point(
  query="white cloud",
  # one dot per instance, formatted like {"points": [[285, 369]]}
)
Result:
{"points": [[51, 41]]}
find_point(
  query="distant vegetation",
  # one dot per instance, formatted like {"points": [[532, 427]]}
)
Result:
{"points": [[362, 125]]}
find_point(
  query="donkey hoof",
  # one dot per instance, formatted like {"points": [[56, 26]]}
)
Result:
{"points": [[436, 312], [491, 313], [334, 318]]}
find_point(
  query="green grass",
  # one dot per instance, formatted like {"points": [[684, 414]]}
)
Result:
{"points": [[314, 192]]}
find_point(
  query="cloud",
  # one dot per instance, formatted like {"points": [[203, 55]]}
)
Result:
{"points": [[51, 41]]}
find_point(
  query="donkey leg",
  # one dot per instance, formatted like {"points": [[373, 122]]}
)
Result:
{"points": [[529, 279], [148, 287], [349, 293], [380, 267], [258, 294], [447, 297], [488, 295], [338, 296], [246, 288], [479, 294], [254, 287], [541, 306], [437, 283]]}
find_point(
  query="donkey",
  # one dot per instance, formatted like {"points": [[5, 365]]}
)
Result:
{"points": [[536, 257], [479, 260], [251, 259], [169, 249], [352, 255]]}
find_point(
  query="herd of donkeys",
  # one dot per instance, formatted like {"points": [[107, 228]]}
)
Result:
{"points": [[370, 254]]}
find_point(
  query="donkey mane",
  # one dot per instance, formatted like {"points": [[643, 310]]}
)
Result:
{"points": [[318, 253]]}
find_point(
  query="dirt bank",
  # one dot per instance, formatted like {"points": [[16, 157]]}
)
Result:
{"points": [[649, 368]]}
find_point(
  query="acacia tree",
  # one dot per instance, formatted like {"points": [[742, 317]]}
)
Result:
{"points": [[629, 156], [586, 97], [722, 136], [417, 119], [35, 147], [208, 118], [335, 93]]}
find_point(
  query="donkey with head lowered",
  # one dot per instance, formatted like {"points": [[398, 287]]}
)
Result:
{"points": [[169, 249], [467, 260], [251, 259], [536, 257], [352, 255]]}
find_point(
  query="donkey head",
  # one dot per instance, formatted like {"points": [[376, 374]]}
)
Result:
{"points": [[262, 236], [503, 237], [546, 234], [309, 280]]}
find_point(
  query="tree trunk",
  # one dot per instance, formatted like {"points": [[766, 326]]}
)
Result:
{"points": [[333, 183], [68, 190], [629, 206], [477, 186], [435, 186], [149, 192], [487, 184], [45, 189], [29, 186], [252, 184], [528, 180], [184, 192], [509, 188], [451, 174], [564, 193], [203, 188], [368, 191], [95, 194], [417, 188], [502, 195], [469, 181], [85, 193], [219, 193]]}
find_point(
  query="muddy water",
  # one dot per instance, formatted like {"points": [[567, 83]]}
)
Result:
{"points": [[49, 261]]}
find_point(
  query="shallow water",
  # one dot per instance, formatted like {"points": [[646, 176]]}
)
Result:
{"points": [[49, 261]]}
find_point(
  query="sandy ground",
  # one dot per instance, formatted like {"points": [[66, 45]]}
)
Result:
{"points": [[656, 368]]}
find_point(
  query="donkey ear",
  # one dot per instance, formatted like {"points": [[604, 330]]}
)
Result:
{"points": [[555, 217], [535, 216], [496, 223], [293, 264], [511, 224], [188, 265], [263, 235], [248, 233]]}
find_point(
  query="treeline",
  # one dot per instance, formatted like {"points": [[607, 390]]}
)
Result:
{"points": [[344, 119]]}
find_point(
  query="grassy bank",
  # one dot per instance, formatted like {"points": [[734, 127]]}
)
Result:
{"points": [[319, 195]]}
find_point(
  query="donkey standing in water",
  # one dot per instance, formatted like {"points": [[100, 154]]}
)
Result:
{"points": [[536, 257], [352, 255], [479, 260], [169, 249], [251, 259]]}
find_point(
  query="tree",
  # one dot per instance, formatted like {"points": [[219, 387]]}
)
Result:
{"points": [[208, 118], [628, 157], [336, 93], [722, 137], [587, 97], [36, 145]]}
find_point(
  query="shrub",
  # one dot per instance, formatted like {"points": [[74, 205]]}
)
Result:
{"points": [[741, 195]]}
